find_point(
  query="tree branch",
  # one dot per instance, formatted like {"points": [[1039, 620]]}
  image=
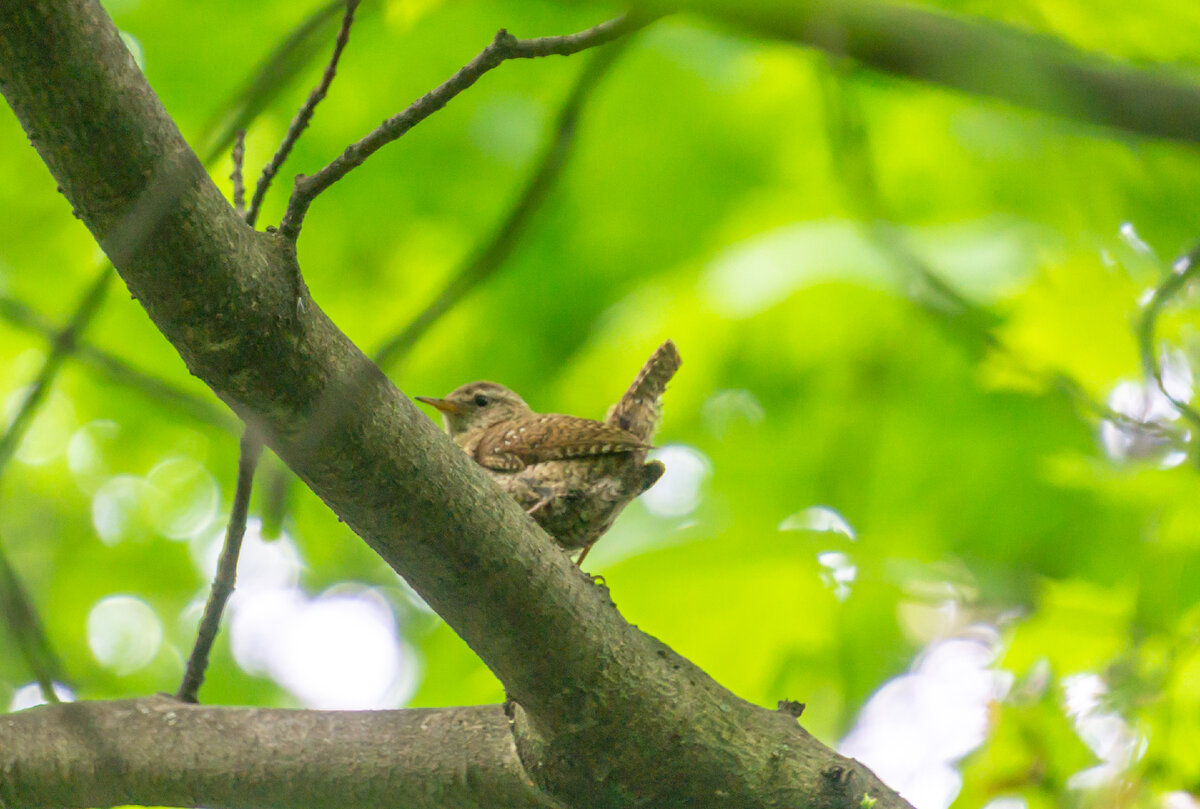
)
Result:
{"points": [[504, 47], [607, 715], [491, 254], [976, 56], [27, 629], [1183, 272], [222, 587], [18, 609], [303, 115], [118, 370], [159, 751]]}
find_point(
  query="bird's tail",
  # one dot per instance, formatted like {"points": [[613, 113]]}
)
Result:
{"points": [[639, 409]]}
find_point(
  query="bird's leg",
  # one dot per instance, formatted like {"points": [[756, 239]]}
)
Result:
{"points": [[540, 504], [582, 556]]}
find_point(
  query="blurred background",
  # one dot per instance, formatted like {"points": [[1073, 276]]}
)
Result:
{"points": [[917, 476]]}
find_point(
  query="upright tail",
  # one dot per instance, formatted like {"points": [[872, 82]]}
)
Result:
{"points": [[639, 409]]}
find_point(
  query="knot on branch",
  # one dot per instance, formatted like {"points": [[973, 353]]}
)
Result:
{"points": [[791, 707], [505, 42]]}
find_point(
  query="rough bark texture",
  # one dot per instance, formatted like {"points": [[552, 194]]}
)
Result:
{"points": [[609, 716], [162, 751]]}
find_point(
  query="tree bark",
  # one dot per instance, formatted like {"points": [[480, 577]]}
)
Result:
{"points": [[607, 716], [163, 752]]}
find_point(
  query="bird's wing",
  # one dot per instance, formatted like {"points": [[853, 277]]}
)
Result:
{"points": [[513, 445]]}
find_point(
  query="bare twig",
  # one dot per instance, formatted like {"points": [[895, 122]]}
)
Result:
{"points": [[64, 345], [23, 316], [504, 47], [491, 254], [22, 619], [848, 143], [1182, 273], [250, 448], [485, 259], [18, 608], [272, 75], [222, 586], [236, 176], [303, 116]]}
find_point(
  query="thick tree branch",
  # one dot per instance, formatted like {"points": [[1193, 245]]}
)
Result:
{"points": [[977, 56], [607, 716], [163, 752]]}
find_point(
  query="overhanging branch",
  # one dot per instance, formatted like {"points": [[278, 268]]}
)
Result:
{"points": [[977, 56]]}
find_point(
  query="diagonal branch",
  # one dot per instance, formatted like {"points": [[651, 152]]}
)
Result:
{"points": [[24, 317], [18, 608], [27, 629], [63, 346], [504, 47], [848, 143], [976, 56], [605, 715], [491, 254]]}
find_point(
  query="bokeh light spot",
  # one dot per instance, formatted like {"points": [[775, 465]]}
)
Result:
{"points": [[30, 695], [117, 509], [182, 498], [677, 492], [123, 633]]}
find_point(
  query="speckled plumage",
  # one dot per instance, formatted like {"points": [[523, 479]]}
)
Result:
{"points": [[572, 475]]}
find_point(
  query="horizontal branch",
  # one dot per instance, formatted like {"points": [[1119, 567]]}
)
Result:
{"points": [[976, 56], [160, 751], [504, 47]]}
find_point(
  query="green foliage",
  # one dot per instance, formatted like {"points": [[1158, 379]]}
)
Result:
{"points": [[707, 201]]}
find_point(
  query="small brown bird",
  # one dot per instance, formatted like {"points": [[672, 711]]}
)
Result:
{"points": [[572, 475]]}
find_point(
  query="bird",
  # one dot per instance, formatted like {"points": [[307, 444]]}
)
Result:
{"points": [[572, 475]]}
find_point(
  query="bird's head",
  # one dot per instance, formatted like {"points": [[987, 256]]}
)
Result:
{"points": [[476, 406]]}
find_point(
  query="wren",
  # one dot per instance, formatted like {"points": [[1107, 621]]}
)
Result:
{"points": [[572, 475]]}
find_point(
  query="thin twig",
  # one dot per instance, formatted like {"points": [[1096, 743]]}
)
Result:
{"points": [[504, 47], [303, 116], [25, 317], [64, 344], [222, 586], [236, 176], [486, 259], [849, 148], [27, 630], [492, 253], [250, 449], [1182, 272], [848, 144], [18, 608]]}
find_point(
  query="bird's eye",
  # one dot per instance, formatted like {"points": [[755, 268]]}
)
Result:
{"points": [[481, 400]]}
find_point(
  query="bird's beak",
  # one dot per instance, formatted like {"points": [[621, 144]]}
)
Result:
{"points": [[443, 405]]}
